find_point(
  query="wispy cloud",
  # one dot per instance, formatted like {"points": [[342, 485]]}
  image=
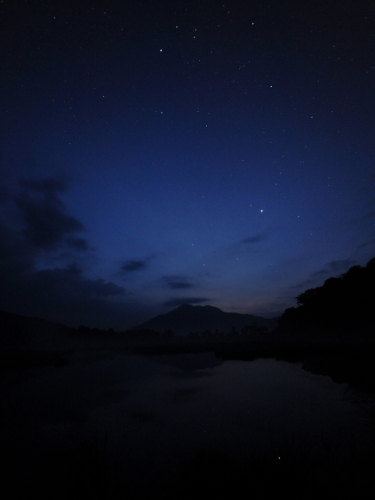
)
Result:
{"points": [[130, 266], [369, 215], [366, 244], [46, 224], [254, 239], [334, 267], [134, 265], [177, 282], [303, 284], [175, 302]]}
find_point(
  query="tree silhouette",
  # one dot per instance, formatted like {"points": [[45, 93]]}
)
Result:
{"points": [[342, 303]]}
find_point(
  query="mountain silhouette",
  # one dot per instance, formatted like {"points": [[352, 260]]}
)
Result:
{"points": [[188, 318]]}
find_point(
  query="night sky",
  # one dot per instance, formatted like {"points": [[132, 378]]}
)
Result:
{"points": [[169, 152]]}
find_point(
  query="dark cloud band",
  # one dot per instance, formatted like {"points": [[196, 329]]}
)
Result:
{"points": [[185, 300]]}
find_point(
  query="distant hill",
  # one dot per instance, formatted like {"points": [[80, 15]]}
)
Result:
{"points": [[188, 318]]}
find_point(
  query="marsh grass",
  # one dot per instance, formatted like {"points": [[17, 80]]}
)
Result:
{"points": [[92, 471], [297, 472], [87, 470]]}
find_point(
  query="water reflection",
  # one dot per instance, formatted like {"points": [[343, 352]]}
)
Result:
{"points": [[157, 410], [177, 404]]}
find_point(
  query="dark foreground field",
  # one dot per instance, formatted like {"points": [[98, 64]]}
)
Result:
{"points": [[91, 472]]}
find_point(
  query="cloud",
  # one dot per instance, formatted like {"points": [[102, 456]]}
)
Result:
{"points": [[77, 244], [177, 282], [334, 267], [254, 239], [48, 186], [303, 284], [46, 225], [3, 194], [16, 255], [70, 282], [38, 226], [340, 265], [366, 244], [175, 302], [133, 265], [64, 295], [320, 273]]}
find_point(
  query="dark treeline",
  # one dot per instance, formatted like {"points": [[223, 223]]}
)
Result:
{"points": [[249, 331], [343, 304], [331, 332]]}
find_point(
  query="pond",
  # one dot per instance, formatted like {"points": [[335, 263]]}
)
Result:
{"points": [[151, 413]]}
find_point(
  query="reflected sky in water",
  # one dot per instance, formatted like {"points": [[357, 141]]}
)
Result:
{"points": [[157, 410]]}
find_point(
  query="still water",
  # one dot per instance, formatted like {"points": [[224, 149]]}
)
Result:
{"points": [[157, 410]]}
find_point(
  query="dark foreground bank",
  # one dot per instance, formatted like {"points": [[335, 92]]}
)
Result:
{"points": [[91, 472]]}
